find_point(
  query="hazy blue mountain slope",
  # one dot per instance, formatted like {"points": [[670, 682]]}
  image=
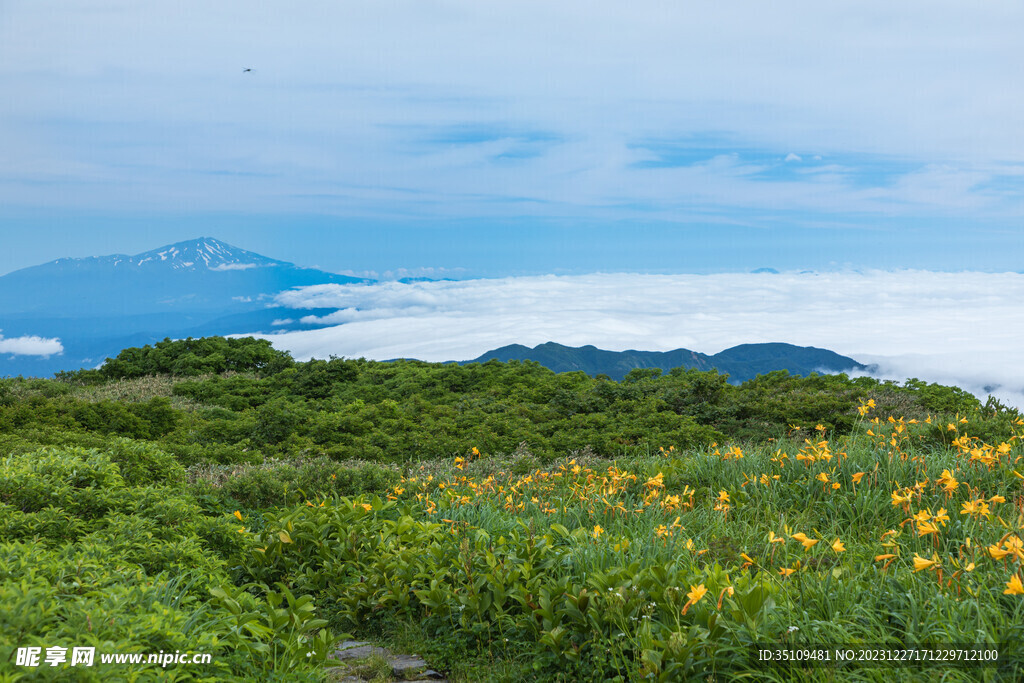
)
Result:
{"points": [[99, 305], [194, 276]]}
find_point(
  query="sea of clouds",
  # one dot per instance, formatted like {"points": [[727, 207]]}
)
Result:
{"points": [[961, 328]]}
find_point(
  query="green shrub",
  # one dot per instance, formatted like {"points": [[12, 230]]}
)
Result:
{"points": [[190, 357], [116, 606], [84, 482], [282, 483], [143, 463]]}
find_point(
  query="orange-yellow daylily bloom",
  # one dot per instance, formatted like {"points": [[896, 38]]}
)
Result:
{"points": [[838, 546], [598, 531], [901, 497], [975, 507], [786, 571], [1014, 586], [696, 593], [997, 553], [1014, 546], [656, 482], [921, 563], [886, 556], [857, 477], [808, 543], [239, 515]]}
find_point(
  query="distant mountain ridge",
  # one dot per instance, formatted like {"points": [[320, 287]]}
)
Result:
{"points": [[99, 305], [197, 274], [741, 363]]}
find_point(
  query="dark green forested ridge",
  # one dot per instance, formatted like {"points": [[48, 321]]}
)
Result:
{"points": [[228, 400], [741, 363]]}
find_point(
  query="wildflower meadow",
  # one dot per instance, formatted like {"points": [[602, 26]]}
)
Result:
{"points": [[784, 529]]}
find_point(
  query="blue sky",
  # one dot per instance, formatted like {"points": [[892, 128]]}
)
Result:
{"points": [[470, 139]]}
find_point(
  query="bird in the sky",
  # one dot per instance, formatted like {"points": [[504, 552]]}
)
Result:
{"points": [[246, 70]]}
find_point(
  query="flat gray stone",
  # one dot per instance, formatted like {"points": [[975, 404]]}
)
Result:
{"points": [[405, 665], [356, 649]]}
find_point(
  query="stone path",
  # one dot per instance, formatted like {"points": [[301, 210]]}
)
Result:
{"points": [[403, 667]]}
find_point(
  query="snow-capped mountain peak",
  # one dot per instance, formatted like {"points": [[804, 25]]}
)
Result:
{"points": [[205, 252]]}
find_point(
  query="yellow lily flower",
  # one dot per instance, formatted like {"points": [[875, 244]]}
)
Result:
{"points": [[1014, 546], [921, 563], [695, 594], [808, 543], [997, 553]]}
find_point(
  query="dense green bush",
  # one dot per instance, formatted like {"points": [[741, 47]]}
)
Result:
{"points": [[283, 483], [116, 606], [406, 411], [126, 561], [188, 357], [142, 463]]}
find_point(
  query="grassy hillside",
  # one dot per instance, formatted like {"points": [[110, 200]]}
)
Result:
{"points": [[507, 523]]}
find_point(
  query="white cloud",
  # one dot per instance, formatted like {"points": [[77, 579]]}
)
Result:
{"points": [[963, 328], [793, 157], [235, 266], [31, 345]]}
